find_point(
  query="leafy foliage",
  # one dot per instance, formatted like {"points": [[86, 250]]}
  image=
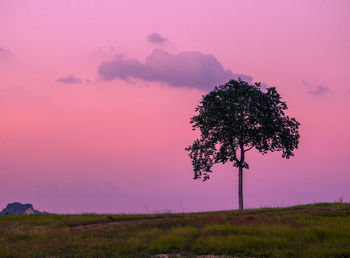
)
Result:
{"points": [[236, 116]]}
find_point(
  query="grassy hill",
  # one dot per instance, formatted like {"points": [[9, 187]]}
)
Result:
{"points": [[319, 230]]}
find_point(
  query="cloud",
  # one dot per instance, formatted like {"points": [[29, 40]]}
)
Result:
{"points": [[5, 52], [315, 90], [305, 83], [190, 69], [69, 80], [319, 90], [156, 38]]}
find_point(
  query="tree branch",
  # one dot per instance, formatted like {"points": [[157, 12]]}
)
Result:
{"points": [[249, 148]]}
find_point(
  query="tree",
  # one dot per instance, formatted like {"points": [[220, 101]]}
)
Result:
{"points": [[234, 118]]}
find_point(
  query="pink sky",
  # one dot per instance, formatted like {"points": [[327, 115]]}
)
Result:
{"points": [[116, 144]]}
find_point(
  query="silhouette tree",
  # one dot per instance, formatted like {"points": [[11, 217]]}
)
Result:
{"points": [[234, 118]]}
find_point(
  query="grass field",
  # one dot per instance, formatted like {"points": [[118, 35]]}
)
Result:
{"points": [[319, 230]]}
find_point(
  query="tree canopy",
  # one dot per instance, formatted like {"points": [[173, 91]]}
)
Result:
{"points": [[236, 117]]}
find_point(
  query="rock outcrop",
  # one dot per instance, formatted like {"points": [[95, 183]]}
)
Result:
{"points": [[19, 208]]}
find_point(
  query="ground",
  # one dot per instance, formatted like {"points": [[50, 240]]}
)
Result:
{"points": [[318, 230]]}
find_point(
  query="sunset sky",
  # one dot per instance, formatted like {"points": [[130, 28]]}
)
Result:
{"points": [[96, 99]]}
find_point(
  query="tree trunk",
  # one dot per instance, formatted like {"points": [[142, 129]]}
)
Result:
{"points": [[240, 187], [240, 180]]}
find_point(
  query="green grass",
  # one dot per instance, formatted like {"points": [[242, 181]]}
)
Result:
{"points": [[319, 230]]}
